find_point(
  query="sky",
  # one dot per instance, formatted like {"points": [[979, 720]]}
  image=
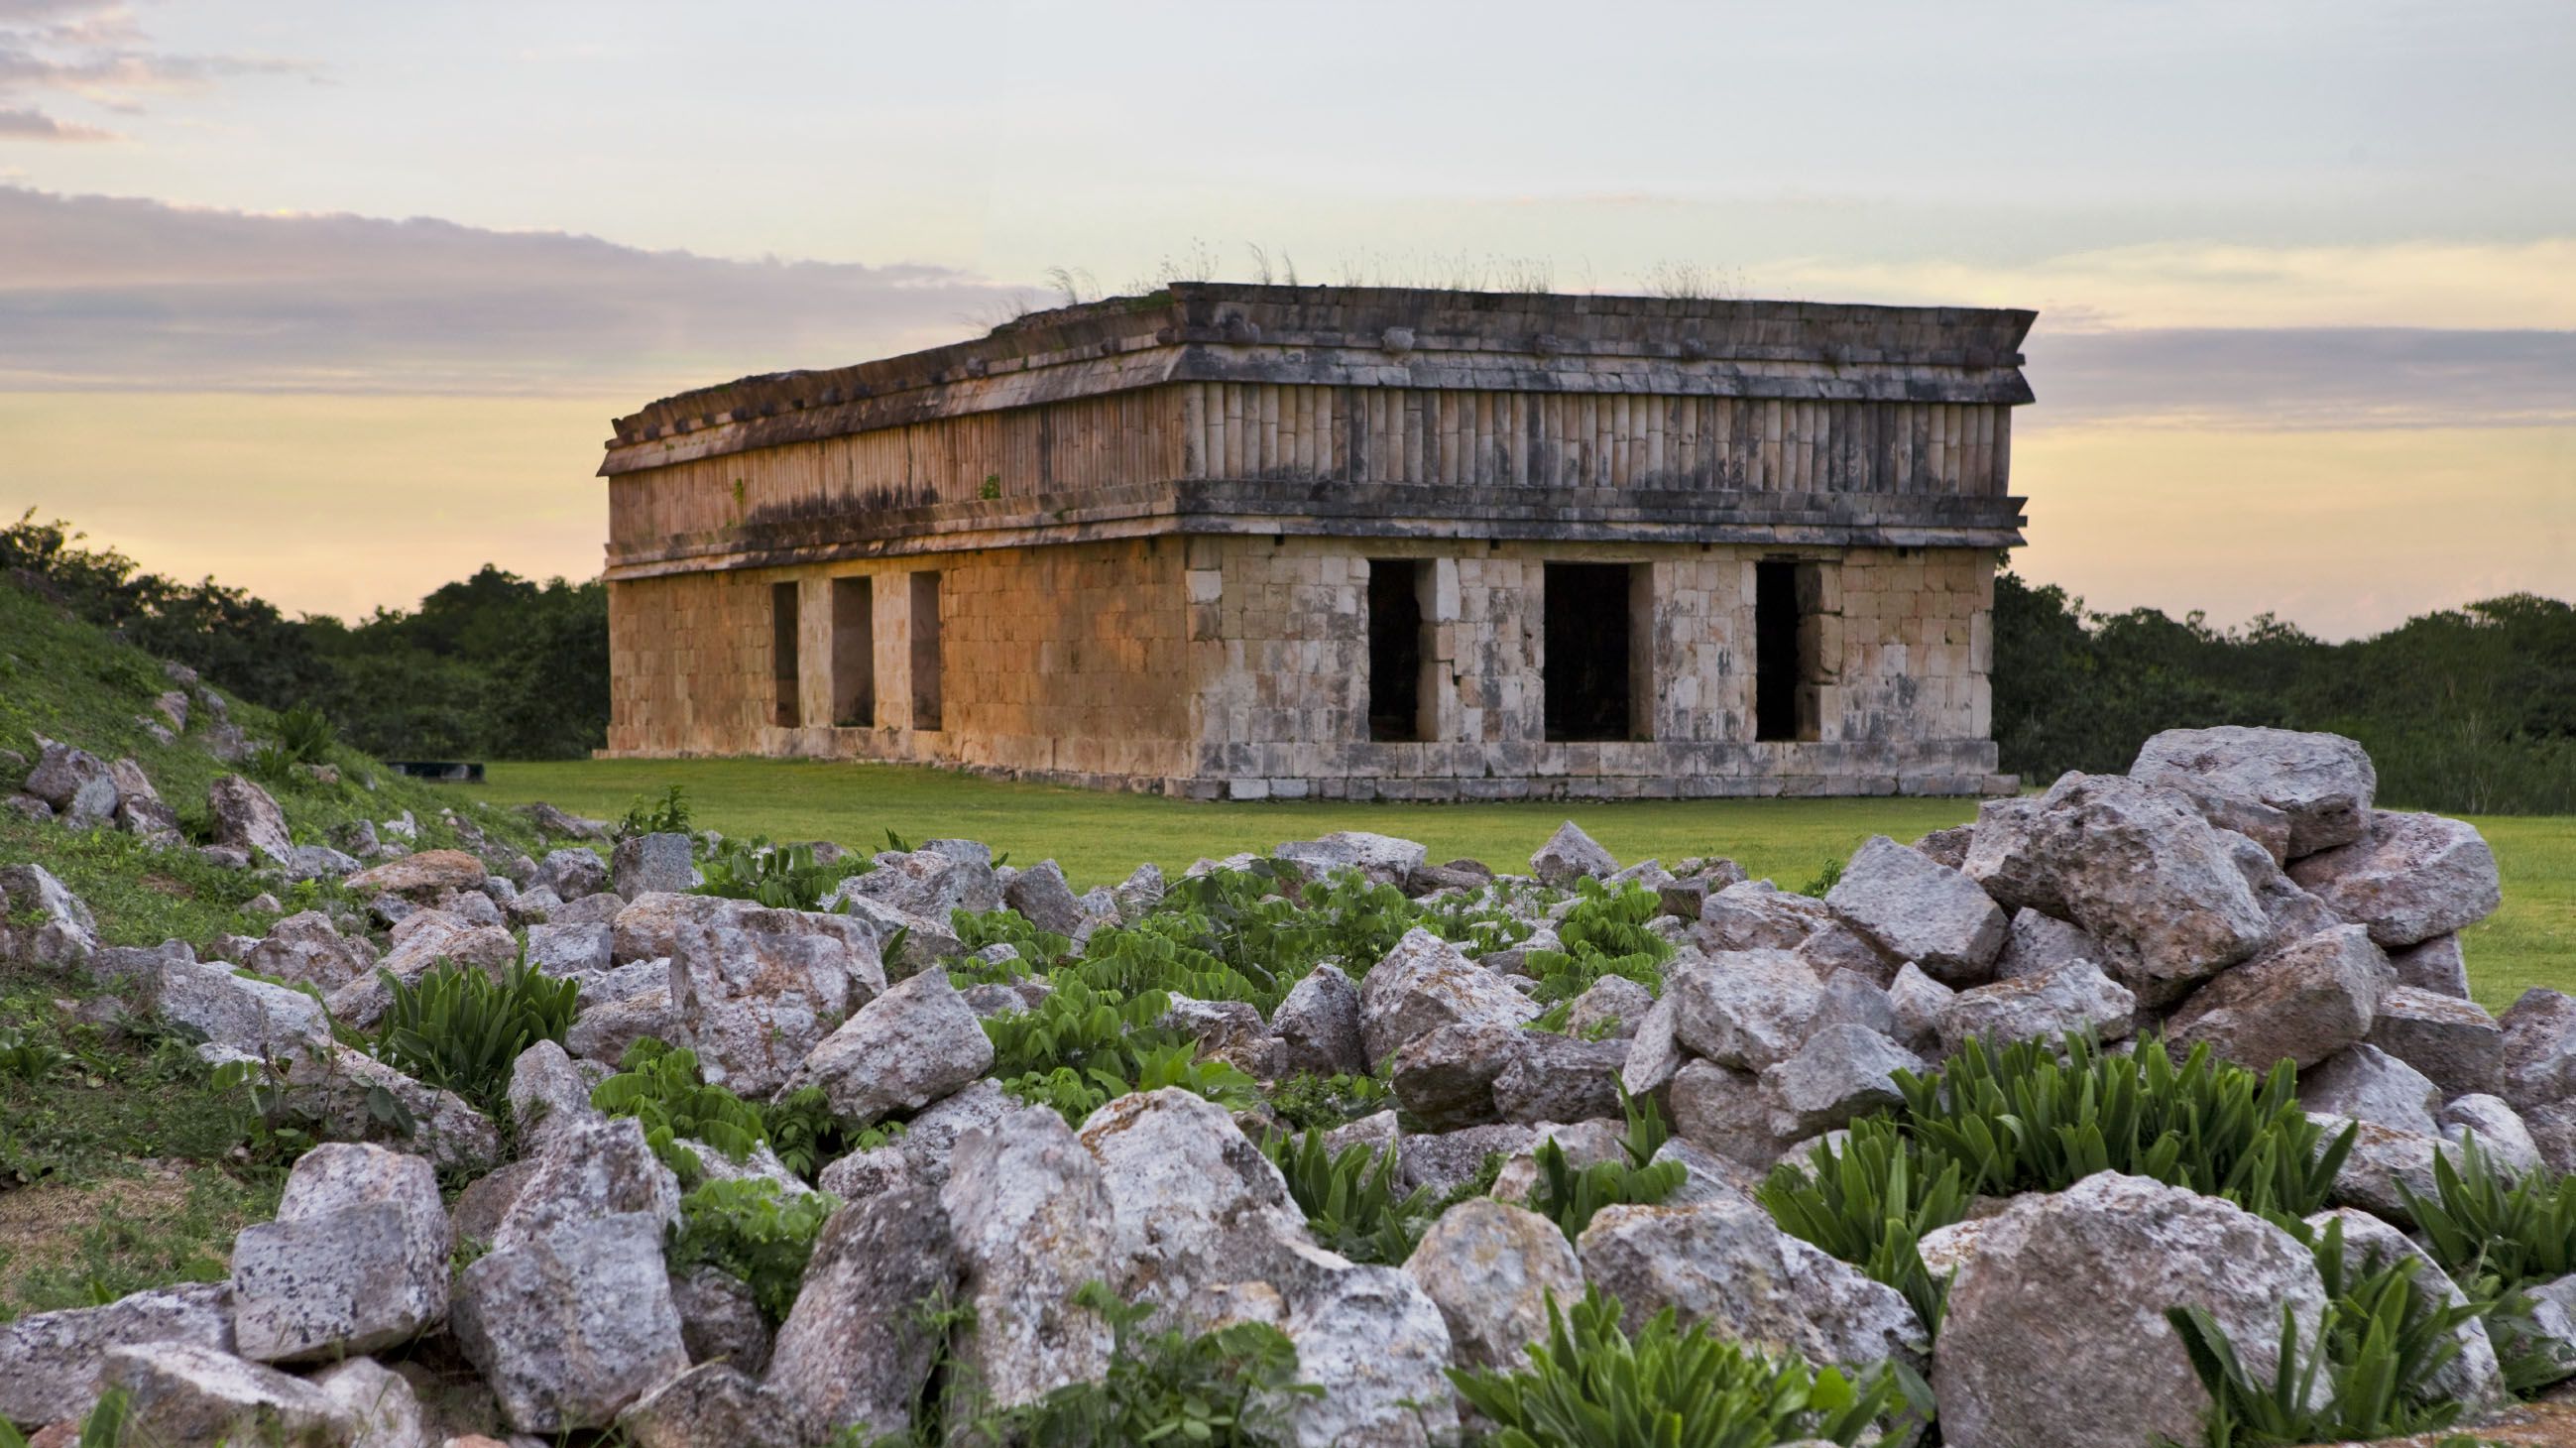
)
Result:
{"points": [[336, 301]]}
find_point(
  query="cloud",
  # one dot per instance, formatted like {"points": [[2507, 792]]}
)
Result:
{"points": [[101, 292], [2304, 378], [31, 125], [97, 51]]}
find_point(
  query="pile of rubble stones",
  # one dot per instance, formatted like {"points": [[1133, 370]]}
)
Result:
{"points": [[2236, 888]]}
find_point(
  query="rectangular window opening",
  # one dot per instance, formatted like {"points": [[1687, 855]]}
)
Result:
{"points": [[1589, 612], [854, 653], [1787, 641], [1395, 649], [925, 651], [782, 653]]}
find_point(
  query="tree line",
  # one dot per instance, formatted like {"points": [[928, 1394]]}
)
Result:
{"points": [[2469, 710]]}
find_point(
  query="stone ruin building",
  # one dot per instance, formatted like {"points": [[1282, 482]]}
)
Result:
{"points": [[1231, 541]]}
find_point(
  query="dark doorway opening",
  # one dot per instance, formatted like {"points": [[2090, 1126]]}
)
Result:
{"points": [[925, 651], [1395, 649], [1589, 617], [1775, 649], [782, 653], [854, 653]]}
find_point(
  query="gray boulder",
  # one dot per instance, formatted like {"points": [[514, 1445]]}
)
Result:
{"points": [[1570, 855], [2075, 996], [1748, 1009], [2383, 1160], [381, 1401], [643, 929], [1318, 1024], [1918, 1004], [356, 1260], [1444, 1160], [2038, 942], [2322, 783], [2437, 965], [655, 864], [215, 1005], [571, 874], [856, 1350], [181, 1392], [570, 1325], [588, 1170], [41, 921], [720, 1318], [2499, 1131], [62, 774], [1424, 983], [711, 1403], [917, 1042], [2301, 1003], [1724, 1264], [604, 1031], [2454, 1042], [1560, 1078], [1445, 1078], [1841, 1072], [1723, 1110], [928, 883], [2368, 1084], [49, 1361], [563, 950], [1033, 1222], [1917, 910], [550, 1095], [1653, 1054], [339, 1089], [2411, 878], [1192, 1201], [307, 949], [1041, 894], [754, 990], [2056, 1332], [2133, 868], [246, 818], [1490, 1268], [1609, 1009], [421, 943], [2539, 1061], [1382, 859]]}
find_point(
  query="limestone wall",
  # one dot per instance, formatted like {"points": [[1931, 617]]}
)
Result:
{"points": [[1062, 662]]}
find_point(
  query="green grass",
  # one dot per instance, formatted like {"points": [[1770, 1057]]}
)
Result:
{"points": [[1098, 838]]}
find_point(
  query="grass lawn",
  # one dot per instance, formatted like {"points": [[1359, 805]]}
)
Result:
{"points": [[1098, 838]]}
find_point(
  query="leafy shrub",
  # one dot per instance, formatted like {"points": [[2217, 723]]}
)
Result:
{"points": [[461, 1030], [2497, 1237], [1870, 1204], [1349, 1197], [1478, 923], [1225, 1389], [1604, 934], [1039, 949], [2021, 1119], [782, 877], [306, 735], [660, 1087], [755, 1231], [1591, 1385], [1306, 1100], [668, 815], [2384, 1337], [29, 1058], [1572, 1197]]}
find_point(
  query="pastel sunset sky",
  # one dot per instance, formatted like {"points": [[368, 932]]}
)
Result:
{"points": [[335, 300]]}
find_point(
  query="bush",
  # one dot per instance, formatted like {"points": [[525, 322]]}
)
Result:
{"points": [[2023, 1119], [459, 1029], [2384, 1338], [1224, 1389], [306, 735], [2037, 1116], [1305, 1100], [668, 815], [1039, 950], [1571, 1198], [2496, 1238], [1591, 1385], [755, 1231], [782, 877], [1870, 1204], [660, 1087], [1349, 1197], [1604, 934]]}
